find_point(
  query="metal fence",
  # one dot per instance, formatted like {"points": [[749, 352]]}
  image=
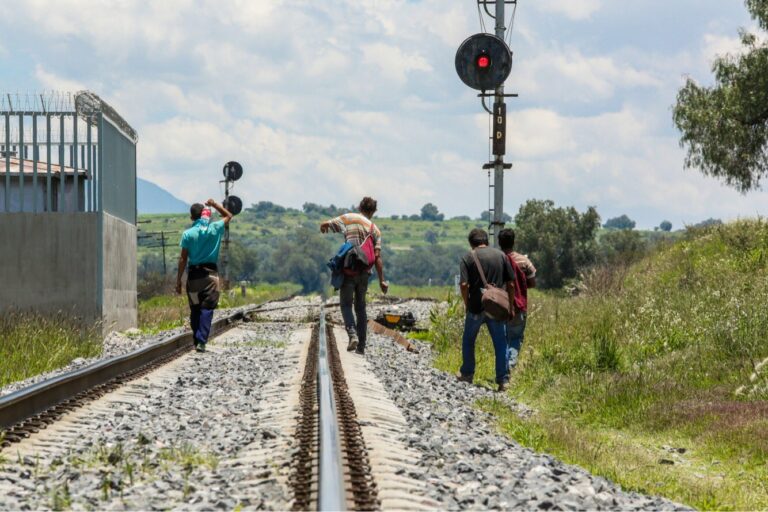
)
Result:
{"points": [[62, 152]]}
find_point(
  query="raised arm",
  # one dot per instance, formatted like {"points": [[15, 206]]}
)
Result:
{"points": [[225, 215]]}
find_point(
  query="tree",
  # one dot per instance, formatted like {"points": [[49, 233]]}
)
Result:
{"points": [[622, 246], [707, 223], [416, 266], [725, 127], [559, 241], [622, 222], [430, 236], [301, 259], [665, 226], [430, 212]]}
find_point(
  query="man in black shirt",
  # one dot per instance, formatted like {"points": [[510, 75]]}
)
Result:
{"points": [[499, 273]]}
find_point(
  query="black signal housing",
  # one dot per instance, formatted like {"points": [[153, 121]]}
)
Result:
{"points": [[483, 62]]}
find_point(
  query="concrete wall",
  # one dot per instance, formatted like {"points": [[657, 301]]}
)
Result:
{"points": [[49, 263], [119, 302]]}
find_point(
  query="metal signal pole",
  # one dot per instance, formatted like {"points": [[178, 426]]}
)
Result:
{"points": [[225, 256], [499, 113]]}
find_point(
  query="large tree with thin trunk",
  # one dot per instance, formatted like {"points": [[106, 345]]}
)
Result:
{"points": [[725, 127]]}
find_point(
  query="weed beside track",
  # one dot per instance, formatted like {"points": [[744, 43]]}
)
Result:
{"points": [[652, 376], [32, 344]]}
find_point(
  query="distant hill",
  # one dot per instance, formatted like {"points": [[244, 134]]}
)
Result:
{"points": [[151, 198]]}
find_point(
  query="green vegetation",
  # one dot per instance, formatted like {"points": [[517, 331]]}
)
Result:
{"points": [[124, 465], [725, 127], [419, 292], [31, 344], [561, 241], [652, 376], [272, 244]]}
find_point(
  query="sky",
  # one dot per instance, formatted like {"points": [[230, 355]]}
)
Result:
{"points": [[326, 101]]}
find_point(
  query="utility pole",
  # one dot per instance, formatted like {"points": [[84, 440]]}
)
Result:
{"points": [[162, 241], [151, 236]]}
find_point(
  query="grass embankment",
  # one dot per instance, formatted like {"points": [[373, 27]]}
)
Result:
{"points": [[651, 377], [169, 311], [34, 344]]}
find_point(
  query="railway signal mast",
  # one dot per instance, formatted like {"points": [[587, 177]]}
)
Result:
{"points": [[232, 171], [483, 62]]}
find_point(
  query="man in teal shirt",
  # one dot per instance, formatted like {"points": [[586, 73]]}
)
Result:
{"points": [[200, 249]]}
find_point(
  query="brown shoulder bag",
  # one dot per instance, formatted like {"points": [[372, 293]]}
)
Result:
{"points": [[495, 301]]}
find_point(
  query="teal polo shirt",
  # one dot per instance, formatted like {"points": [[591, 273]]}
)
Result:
{"points": [[203, 241]]}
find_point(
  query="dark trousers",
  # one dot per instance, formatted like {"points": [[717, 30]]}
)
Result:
{"points": [[353, 291], [200, 319], [203, 296]]}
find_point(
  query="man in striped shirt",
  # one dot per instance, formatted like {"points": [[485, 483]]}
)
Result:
{"points": [[356, 228]]}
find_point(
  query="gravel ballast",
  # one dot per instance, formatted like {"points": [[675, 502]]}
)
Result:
{"points": [[190, 435], [466, 462], [166, 441]]}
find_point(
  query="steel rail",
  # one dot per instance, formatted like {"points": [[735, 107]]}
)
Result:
{"points": [[331, 492], [36, 399]]}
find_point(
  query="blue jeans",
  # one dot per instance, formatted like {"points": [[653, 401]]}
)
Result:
{"points": [[515, 336], [497, 329], [353, 291], [200, 320]]}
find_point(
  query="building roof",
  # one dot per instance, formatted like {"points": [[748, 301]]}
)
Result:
{"points": [[42, 168]]}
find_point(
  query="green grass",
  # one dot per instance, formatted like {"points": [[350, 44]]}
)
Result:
{"points": [[32, 344], [170, 311], [407, 292], [650, 356]]}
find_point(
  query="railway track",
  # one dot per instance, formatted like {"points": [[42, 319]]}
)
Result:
{"points": [[28, 410], [274, 416], [330, 469], [331, 465]]}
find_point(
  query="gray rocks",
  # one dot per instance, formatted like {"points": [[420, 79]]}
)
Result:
{"points": [[467, 463], [162, 442]]}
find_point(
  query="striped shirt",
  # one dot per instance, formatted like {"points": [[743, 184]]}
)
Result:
{"points": [[356, 227]]}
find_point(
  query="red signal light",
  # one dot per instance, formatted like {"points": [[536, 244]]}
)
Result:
{"points": [[483, 62]]}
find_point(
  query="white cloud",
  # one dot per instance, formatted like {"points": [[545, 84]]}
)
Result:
{"points": [[571, 74], [326, 101], [573, 9], [393, 62], [51, 81], [113, 27], [715, 45]]}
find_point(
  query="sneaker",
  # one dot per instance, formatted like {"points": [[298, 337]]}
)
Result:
{"points": [[200, 347], [503, 387], [352, 341], [360, 351], [465, 378]]}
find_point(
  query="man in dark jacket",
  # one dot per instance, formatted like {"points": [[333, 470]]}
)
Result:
{"points": [[498, 272]]}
